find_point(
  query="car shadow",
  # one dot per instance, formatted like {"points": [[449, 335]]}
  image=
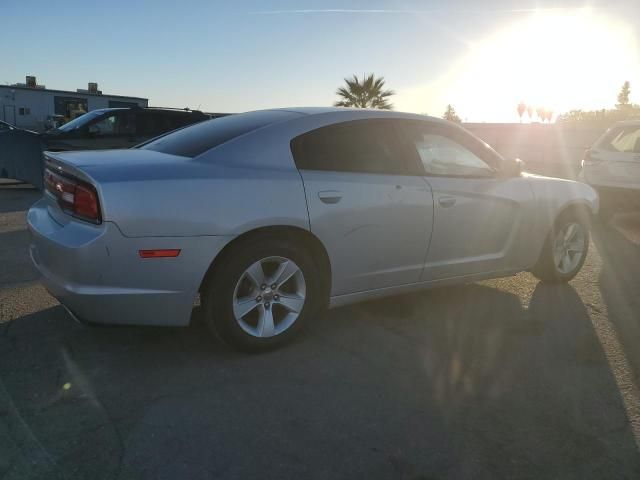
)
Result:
{"points": [[15, 264], [619, 283], [526, 382], [452, 383], [17, 198]]}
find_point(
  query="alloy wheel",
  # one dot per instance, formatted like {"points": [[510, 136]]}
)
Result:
{"points": [[569, 247], [269, 296]]}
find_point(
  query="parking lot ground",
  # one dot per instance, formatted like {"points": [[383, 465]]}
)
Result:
{"points": [[629, 226], [500, 379]]}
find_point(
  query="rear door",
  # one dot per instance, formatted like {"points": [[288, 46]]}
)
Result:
{"points": [[367, 202], [480, 217], [150, 124], [620, 152]]}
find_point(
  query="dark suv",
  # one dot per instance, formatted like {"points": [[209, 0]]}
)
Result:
{"points": [[118, 127]]}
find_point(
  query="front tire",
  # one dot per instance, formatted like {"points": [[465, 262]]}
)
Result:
{"points": [[261, 294], [565, 249]]}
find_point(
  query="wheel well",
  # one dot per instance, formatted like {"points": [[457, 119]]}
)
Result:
{"points": [[299, 235], [581, 210]]}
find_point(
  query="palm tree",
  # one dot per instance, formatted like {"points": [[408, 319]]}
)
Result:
{"points": [[367, 93], [522, 107]]}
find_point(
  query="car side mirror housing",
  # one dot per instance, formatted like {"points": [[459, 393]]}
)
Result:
{"points": [[512, 168]]}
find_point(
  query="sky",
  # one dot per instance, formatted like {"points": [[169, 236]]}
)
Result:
{"points": [[483, 57]]}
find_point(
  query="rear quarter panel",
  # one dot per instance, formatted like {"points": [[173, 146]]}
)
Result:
{"points": [[235, 190]]}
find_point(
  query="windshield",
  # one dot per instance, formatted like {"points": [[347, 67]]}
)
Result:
{"points": [[79, 122]]}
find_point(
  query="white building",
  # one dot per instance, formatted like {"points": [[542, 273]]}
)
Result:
{"points": [[29, 105]]}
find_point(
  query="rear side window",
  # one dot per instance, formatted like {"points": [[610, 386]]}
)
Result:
{"points": [[198, 138], [150, 124], [364, 146]]}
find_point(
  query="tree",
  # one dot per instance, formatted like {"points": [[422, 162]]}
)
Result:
{"points": [[549, 115], [623, 96], [451, 115], [530, 111], [625, 110], [522, 107], [368, 93], [540, 112]]}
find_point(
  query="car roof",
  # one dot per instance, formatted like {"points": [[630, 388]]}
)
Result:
{"points": [[149, 109], [628, 123], [357, 113]]}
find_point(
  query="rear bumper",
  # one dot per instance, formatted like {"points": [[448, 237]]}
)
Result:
{"points": [[97, 273]]}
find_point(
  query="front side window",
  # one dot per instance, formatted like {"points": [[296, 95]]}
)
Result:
{"points": [[442, 156], [363, 146], [120, 123], [79, 122], [450, 153], [624, 140]]}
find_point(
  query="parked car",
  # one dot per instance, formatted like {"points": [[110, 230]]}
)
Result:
{"points": [[612, 167], [118, 128], [271, 215], [21, 151], [53, 121]]}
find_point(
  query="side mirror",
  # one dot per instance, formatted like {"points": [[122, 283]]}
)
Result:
{"points": [[512, 168]]}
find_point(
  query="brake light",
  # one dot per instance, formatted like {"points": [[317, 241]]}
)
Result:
{"points": [[85, 202], [75, 197]]}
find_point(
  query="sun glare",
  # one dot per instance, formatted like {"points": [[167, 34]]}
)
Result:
{"points": [[556, 60]]}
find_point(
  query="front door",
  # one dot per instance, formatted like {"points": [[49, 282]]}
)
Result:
{"points": [[367, 204], [480, 216], [9, 114], [113, 130]]}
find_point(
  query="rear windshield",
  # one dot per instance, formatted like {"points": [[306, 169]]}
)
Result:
{"points": [[198, 138]]}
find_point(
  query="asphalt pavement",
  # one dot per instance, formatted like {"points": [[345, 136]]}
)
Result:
{"points": [[507, 378]]}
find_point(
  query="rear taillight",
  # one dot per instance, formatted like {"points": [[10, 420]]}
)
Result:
{"points": [[589, 159], [75, 197]]}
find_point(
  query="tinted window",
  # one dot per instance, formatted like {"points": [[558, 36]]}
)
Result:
{"points": [[151, 124], [366, 146], [197, 139]]}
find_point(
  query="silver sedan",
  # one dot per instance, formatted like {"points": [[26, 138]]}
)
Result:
{"points": [[269, 216]]}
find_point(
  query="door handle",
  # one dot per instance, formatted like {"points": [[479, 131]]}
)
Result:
{"points": [[447, 202], [330, 196]]}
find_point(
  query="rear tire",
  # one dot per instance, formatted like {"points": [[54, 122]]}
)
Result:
{"points": [[255, 313], [565, 249]]}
